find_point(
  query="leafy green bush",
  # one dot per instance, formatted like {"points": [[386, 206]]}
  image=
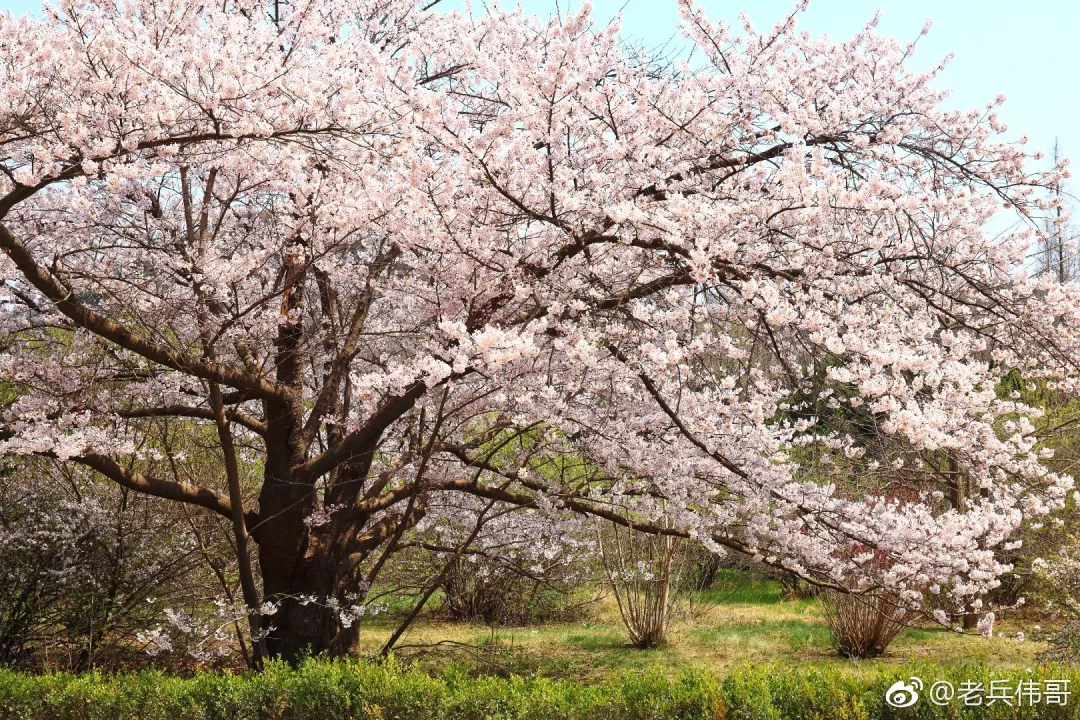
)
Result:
{"points": [[320, 690]]}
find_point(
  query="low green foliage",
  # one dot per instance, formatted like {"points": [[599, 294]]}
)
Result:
{"points": [[323, 690]]}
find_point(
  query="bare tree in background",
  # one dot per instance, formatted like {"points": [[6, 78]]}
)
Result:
{"points": [[1058, 255]]}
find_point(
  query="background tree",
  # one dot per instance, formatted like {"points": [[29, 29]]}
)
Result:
{"points": [[1057, 247]]}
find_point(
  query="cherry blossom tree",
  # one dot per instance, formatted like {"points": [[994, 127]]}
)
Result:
{"points": [[361, 246]]}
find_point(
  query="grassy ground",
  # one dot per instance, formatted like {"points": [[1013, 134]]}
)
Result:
{"points": [[738, 621]]}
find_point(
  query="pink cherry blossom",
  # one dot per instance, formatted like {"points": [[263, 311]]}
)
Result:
{"points": [[399, 258]]}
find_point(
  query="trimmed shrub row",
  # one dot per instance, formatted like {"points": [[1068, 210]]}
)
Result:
{"points": [[323, 690]]}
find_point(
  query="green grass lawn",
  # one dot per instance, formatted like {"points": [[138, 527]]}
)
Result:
{"points": [[739, 621]]}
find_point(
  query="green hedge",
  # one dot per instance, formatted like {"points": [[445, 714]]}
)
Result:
{"points": [[320, 690]]}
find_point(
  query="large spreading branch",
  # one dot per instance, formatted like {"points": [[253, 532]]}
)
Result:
{"points": [[66, 302], [165, 489], [234, 415]]}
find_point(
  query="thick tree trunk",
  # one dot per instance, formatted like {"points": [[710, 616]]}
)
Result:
{"points": [[298, 571], [312, 572], [301, 574], [304, 624], [312, 575]]}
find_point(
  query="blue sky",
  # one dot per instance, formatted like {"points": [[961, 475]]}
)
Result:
{"points": [[1029, 50]]}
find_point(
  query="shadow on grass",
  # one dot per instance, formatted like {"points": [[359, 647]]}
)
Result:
{"points": [[793, 634], [600, 641]]}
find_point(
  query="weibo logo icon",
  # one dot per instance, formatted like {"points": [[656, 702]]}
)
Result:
{"points": [[901, 694]]}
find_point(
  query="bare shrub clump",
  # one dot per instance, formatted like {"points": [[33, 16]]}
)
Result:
{"points": [[862, 624], [642, 571], [497, 593]]}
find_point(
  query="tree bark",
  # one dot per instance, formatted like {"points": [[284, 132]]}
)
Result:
{"points": [[314, 571]]}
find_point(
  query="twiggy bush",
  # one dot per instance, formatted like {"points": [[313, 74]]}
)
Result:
{"points": [[497, 593], [864, 624], [642, 571]]}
